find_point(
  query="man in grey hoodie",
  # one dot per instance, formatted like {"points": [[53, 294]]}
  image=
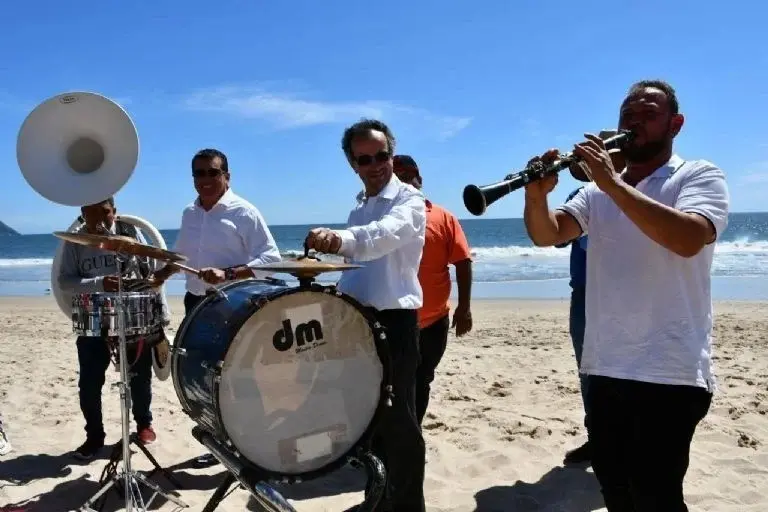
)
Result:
{"points": [[87, 269]]}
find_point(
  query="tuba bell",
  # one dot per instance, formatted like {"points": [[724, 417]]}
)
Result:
{"points": [[77, 148]]}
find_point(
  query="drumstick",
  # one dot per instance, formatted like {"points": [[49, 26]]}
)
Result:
{"points": [[188, 269]]}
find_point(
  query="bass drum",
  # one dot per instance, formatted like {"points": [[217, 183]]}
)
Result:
{"points": [[291, 379]]}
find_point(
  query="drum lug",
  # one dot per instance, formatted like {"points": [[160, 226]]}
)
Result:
{"points": [[258, 302], [215, 370], [390, 395], [179, 350]]}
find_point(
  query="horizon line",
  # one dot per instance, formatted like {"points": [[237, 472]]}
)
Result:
{"points": [[344, 224]]}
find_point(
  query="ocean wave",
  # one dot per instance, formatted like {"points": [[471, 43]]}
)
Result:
{"points": [[490, 254], [512, 252], [25, 262]]}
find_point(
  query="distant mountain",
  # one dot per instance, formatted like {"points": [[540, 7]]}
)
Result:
{"points": [[6, 230]]}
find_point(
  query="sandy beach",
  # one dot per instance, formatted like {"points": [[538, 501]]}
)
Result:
{"points": [[505, 409]]}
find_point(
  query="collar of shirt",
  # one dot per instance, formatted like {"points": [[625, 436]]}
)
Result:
{"points": [[389, 192], [225, 200], [666, 170]]}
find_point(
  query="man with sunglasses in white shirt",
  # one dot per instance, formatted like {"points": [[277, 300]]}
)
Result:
{"points": [[386, 236], [221, 233]]}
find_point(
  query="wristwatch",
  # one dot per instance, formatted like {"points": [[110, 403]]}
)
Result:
{"points": [[229, 274]]}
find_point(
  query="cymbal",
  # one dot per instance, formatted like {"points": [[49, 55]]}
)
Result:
{"points": [[120, 244], [305, 267]]}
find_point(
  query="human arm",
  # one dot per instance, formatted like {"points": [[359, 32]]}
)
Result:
{"points": [[570, 196], [260, 245], [547, 227], [405, 222], [698, 216], [69, 279], [460, 256]]}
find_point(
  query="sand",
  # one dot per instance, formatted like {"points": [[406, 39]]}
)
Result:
{"points": [[505, 409]]}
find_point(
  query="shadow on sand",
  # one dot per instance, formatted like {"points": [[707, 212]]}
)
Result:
{"points": [[72, 494], [344, 480], [572, 489]]}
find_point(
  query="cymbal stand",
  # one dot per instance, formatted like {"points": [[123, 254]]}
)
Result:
{"points": [[134, 501]]}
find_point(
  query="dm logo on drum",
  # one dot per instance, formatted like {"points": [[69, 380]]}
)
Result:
{"points": [[302, 334]]}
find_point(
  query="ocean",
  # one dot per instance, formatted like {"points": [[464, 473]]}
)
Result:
{"points": [[506, 265]]}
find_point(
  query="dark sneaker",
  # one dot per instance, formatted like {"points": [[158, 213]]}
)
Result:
{"points": [[89, 449], [205, 461], [579, 455]]}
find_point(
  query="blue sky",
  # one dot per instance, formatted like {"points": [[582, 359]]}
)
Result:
{"points": [[472, 90]]}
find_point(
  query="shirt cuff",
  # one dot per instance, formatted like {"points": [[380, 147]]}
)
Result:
{"points": [[347, 242]]}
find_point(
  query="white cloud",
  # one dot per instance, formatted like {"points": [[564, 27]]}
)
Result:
{"points": [[284, 111]]}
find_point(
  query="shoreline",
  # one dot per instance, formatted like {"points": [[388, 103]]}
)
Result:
{"points": [[740, 288]]}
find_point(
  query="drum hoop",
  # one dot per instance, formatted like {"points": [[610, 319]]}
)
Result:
{"points": [[382, 350], [184, 326]]}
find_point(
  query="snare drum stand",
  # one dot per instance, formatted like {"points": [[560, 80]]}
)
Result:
{"points": [[134, 501]]}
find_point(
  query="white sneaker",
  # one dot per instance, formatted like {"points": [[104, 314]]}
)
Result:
{"points": [[5, 445]]}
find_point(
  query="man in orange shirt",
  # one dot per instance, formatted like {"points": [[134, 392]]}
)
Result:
{"points": [[444, 244]]}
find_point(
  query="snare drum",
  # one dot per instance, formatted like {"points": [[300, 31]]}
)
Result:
{"points": [[290, 379], [95, 314]]}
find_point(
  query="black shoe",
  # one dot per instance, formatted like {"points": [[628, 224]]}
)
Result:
{"points": [[579, 455], [206, 461], [89, 449]]}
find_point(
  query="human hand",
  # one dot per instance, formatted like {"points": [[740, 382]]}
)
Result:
{"points": [[212, 275], [156, 281], [597, 161], [109, 283], [323, 240], [462, 320], [539, 189]]}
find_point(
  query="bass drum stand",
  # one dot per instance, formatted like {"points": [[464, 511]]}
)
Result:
{"points": [[128, 479], [267, 498]]}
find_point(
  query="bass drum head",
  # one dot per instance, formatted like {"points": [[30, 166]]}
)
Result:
{"points": [[300, 382]]}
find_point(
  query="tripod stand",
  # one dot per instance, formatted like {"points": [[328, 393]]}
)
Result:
{"points": [[128, 478]]}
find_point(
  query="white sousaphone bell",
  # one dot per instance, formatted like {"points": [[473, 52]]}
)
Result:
{"points": [[79, 148]]}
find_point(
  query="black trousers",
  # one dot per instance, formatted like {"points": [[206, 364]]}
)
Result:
{"points": [[433, 340], [190, 301], [398, 441], [93, 357], [640, 434]]}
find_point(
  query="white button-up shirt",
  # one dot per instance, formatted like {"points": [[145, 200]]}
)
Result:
{"points": [[386, 236], [230, 234], [649, 311]]}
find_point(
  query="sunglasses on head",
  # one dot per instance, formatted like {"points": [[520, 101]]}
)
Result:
{"points": [[209, 173], [381, 156]]}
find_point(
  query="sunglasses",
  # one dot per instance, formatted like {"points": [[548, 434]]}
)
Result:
{"points": [[209, 173], [381, 156]]}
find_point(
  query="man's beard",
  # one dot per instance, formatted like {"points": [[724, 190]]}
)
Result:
{"points": [[648, 151]]}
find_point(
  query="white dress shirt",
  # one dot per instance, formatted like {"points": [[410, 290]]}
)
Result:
{"points": [[386, 236], [649, 311], [230, 234]]}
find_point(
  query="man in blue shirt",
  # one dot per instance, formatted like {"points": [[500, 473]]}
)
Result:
{"points": [[577, 314], [577, 323]]}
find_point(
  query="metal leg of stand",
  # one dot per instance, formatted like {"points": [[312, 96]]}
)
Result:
{"points": [[154, 462], [130, 479], [220, 493], [267, 498]]}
